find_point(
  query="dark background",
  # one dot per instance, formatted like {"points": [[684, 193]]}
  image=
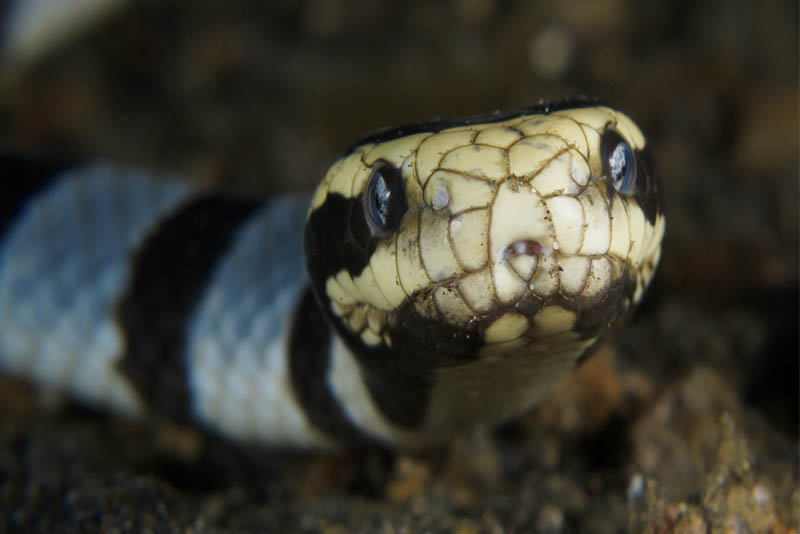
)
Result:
{"points": [[687, 420]]}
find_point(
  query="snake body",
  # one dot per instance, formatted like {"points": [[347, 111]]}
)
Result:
{"points": [[454, 272]]}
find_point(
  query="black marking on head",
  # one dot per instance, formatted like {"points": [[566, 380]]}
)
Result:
{"points": [[309, 366], [597, 317], [331, 242], [614, 308], [325, 236], [23, 178], [636, 175], [170, 272], [530, 304], [343, 232], [434, 126], [338, 238], [648, 193]]}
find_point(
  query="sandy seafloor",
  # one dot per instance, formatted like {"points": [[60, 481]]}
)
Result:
{"points": [[685, 421]]}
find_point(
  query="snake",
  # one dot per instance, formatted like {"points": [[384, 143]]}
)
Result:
{"points": [[442, 276]]}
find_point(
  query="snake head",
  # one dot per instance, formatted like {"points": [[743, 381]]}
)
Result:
{"points": [[501, 247]]}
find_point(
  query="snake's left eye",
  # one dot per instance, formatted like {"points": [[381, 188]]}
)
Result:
{"points": [[385, 199], [619, 162]]}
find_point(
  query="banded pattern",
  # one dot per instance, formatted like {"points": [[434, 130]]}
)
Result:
{"points": [[458, 271], [134, 293]]}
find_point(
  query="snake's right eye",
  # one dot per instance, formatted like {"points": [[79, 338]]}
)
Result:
{"points": [[385, 199]]}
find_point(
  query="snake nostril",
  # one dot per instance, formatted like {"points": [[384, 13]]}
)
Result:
{"points": [[524, 247]]}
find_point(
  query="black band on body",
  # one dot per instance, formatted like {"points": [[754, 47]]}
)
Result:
{"points": [[170, 272], [309, 367], [648, 195], [23, 178]]}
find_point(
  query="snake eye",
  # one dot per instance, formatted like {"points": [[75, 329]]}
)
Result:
{"points": [[619, 162], [385, 199]]}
